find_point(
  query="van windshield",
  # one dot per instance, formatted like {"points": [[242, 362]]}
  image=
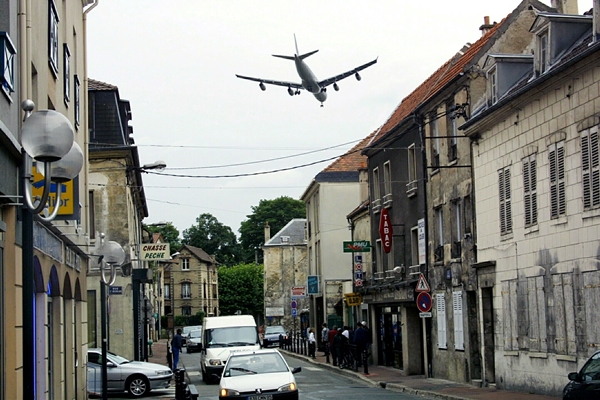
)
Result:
{"points": [[232, 336]]}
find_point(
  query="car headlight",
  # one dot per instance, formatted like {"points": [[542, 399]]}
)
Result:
{"points": [[214, 361], [228, 392], [163, 372], [287, 388]]}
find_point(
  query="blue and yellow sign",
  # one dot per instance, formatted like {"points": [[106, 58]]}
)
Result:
{"points": [[69, 196]]}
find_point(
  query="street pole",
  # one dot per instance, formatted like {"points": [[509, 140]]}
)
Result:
{"points": [[28, 294], [104, 338]]}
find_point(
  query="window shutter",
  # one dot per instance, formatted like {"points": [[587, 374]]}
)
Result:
{"points": [[560, 160], [459, 337], [441, 320], [595, 164], [501, 197], [508, 200], [530, 190]]}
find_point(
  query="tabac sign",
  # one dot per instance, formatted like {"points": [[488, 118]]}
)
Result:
{"points": [[69, 198], [385, 230], [155, 251]]}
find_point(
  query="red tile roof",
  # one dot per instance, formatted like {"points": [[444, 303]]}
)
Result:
{"points": [[353, 160], [97, 85]]}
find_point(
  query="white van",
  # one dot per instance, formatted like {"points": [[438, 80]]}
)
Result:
{"points": [[224, 335]]}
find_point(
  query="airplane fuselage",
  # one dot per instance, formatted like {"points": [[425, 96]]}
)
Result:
{"points": [[309, 80]]}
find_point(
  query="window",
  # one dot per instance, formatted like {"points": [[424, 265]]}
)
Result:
{"points": [[53, 37], [543, 51], [590, 166], [556, 161], [185, 264], [457, 307], [530, 189], [8, 63], [167, 291], [414, 246], [67, 73], [411, 186], [493, 82], [186, 310], [387, 178], [439, 234], [457, 234], [186, 290], [440, 306], [452, 132], [376, 188], [76, 93], [435, 141], [379, 259], [505, 201]]}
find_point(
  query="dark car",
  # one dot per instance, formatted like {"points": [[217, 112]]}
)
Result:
{"points": [[272, 333], [585, 384]]}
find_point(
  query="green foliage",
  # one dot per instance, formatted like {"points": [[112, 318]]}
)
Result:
{"points": [[277, 213], [214, 238], [187, 320], [241, 288], [169, 233]]}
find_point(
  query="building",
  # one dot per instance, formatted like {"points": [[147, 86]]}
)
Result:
{"points": [[117, 208], [194, 284], [286, 275], [537, 185], [42, 342]]}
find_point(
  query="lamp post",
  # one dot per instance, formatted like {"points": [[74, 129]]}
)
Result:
{"points": [[46, 136], [111, 256]]}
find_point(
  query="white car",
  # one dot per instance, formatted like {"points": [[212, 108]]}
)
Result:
{"points": [[186, 330], [258, 375], [193, 341], [135, 377]]}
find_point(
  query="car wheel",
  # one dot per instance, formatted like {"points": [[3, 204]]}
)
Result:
{"points": [[138, 385]]}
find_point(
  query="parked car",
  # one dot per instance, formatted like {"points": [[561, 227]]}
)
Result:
{"points": [[271, 336], [136, 377], [194, 341], [585, 384], [186, 330], [259, 374]]}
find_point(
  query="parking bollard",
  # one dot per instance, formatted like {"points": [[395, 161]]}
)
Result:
{"points": [[180, 384]]}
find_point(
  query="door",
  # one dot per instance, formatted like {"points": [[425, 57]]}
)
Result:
{"points": [[488, 334]]}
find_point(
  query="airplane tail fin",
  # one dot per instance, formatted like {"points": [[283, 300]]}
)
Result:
{"points": [[300, 56]]}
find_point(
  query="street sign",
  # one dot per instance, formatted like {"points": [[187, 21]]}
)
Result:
{"points": [[298, 292], [115, 290], [425, 315], [422, 285], [357, 246], [424, 302], [294, 312]]}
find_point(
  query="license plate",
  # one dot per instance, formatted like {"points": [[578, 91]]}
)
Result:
{"points": [[261, 397]]}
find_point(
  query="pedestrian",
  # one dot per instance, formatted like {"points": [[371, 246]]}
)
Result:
{"points": [[361, 341], [312, 343], [176, 344], [325, 339], [339, 343], [169, 354], [346, 332], [332, 333]]}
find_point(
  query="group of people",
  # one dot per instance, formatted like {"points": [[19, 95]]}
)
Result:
{"points": [[336, 342]]}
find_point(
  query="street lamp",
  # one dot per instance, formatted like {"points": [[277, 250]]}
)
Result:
{"points": [[46, 136], [111, 255]]}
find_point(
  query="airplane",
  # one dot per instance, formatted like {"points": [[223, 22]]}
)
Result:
{"points": [[309, 80]]}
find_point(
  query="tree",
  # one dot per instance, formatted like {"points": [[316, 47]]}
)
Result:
{"points": [[169, 233], [241, 289], [214, 238], [277, 213]]}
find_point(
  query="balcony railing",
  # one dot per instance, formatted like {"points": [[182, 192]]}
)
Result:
{"points": [[376, 205], [387, 200]]}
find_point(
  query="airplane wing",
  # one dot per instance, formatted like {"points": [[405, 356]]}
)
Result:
{"points": [[272, 82], [337, 78]]}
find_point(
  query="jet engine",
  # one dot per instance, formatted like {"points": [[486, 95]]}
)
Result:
{"points": [[336, 87], [262, 86], [357, 76], [290, 91]]}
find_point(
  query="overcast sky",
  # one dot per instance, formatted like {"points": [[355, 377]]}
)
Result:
{"points": [[176, 61]]}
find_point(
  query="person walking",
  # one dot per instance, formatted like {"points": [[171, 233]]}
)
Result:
{"points": [[169, 354], [176, 345], [312, 343], [325, 339], [339, 343], [361, 341], [332, 333]]}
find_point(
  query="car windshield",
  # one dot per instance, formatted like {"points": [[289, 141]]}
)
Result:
{"points": [[274, 330], [255, 364], [232, 336], [591, 372], [117, 359], [188, 329], [195, 334]]}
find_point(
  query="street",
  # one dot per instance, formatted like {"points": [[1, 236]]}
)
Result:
{"points": [[314, 383]]}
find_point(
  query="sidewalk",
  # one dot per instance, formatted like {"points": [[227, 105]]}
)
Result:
{"points": [[392, 379]]}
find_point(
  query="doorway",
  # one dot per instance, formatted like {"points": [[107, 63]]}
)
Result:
{"points": [[487, 296]]}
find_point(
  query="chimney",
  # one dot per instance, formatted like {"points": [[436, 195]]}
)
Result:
{"points": [[267, 232], [486, 25], [565, 6]]}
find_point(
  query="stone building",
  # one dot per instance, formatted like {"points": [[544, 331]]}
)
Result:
{"points": [[537, 185], [285, 268]]}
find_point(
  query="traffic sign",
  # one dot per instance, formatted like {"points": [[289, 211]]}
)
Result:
{"points": [[422, 285], [294, 312], [424, 302], [294, 304]]}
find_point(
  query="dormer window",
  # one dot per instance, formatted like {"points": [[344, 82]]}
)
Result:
{"points": [[504, 72], [543, 51]]}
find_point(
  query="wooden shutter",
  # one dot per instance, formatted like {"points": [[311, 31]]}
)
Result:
{"points": [[457, 306], [440, 306]]}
